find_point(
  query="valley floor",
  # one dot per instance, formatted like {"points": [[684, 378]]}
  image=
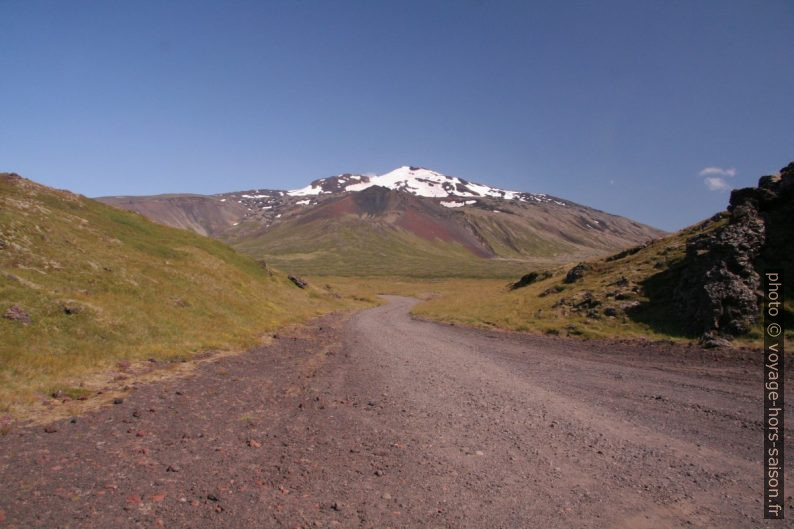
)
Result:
{"points": [[380, 420]]}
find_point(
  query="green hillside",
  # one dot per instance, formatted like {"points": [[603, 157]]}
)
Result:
{"points": [[356, 246], [100, 285]]}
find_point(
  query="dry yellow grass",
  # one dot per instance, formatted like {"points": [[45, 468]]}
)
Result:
{"points": [[103, 286]]}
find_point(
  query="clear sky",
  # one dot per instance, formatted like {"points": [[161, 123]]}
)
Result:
{"points": [[620, 105]]}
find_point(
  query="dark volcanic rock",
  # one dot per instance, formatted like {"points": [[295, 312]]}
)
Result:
{"points": [[17, 313], [587, 301], [300, 283], [375, 200], [576, 273], [529, 278], [719, 289]]}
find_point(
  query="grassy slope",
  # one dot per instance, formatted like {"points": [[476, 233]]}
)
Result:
{"points": [[355, 247], [515, 239], [141, 290]]}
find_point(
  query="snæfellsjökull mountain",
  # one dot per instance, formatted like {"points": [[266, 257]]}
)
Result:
{"points": [[410, 221]]}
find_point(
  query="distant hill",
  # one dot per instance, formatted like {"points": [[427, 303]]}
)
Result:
{"points": [[84, 286], [201, 214], [410, 221]]}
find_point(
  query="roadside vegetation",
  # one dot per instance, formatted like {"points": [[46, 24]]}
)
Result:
{"points": [[86, 288]]}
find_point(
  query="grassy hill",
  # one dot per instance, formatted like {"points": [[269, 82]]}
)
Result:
{"points": [[100, 285], [357, 247]]}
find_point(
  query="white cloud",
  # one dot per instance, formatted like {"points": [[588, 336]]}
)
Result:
{"points": [[730, 172], [715, 177], [716, 183]]}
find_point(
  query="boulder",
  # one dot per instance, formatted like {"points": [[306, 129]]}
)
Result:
{"points": [[586, 301], [300, 283], [710, 341], [576, 273], [529, 278]]}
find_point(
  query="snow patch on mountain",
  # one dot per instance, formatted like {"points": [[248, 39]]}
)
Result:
{"points": [[309, 190], [417, 181], [455, 204]]}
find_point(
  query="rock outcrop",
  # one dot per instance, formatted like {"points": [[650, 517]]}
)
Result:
{"points": [[300, 283], [529, 278], [718, 293], [576, 273]]}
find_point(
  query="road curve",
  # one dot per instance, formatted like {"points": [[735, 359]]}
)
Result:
{"points": [[517, 431], [378, 420]]}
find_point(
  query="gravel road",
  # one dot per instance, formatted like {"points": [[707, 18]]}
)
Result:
{"points": [[379, 420]]}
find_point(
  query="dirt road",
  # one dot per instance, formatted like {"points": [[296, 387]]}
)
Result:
{"points": [[378, 420]]}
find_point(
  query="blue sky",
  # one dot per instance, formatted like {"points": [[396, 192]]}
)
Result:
{"points": [[619, 105]]}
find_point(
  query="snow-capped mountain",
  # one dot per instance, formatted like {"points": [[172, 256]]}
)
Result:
{"points": [[390, 223], [417, 181]]}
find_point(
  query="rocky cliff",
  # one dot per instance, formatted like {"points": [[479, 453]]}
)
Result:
{"points": [[719, 290]]}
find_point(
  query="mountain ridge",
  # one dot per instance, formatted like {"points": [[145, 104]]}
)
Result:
{"points": [[439, 213]]}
